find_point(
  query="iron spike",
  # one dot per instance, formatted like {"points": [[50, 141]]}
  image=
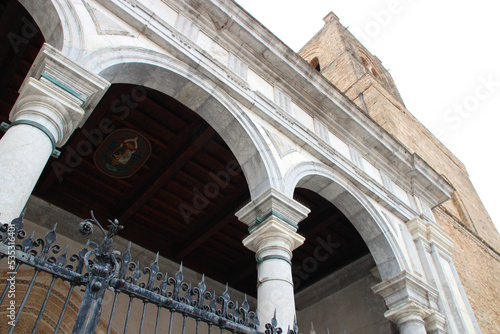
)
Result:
{"points": [[274, 322]]}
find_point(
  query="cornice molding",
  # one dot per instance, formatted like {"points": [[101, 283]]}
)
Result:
{"points": [[431, 233]]}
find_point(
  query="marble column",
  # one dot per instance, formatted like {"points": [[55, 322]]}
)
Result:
{"points": [[409, 317], [53, 101], [272, 219]]}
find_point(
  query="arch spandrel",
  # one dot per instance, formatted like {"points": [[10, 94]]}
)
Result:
{"points": [[367, 220], [176, 79]]}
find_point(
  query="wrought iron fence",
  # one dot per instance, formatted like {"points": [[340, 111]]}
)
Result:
{"points": [[99, 271]]}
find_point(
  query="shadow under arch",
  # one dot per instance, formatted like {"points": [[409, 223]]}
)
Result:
{"points": [[200, 94], [374, 230]]}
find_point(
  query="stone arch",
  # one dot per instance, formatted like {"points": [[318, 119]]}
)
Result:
{"points": [[176, 79], [372, 227], [58, 23]]}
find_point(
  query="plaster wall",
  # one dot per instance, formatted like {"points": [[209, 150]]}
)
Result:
{"points": [[354, 309]]}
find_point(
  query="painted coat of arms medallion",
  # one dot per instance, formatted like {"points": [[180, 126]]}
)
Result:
{"points": [[122, 153]]}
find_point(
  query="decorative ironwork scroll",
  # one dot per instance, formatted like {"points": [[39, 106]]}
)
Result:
{"points": [[100, 269]]}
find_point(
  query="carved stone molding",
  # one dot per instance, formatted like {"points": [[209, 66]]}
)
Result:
{"points": [[68, 80], [273, 205], [430, 233]]}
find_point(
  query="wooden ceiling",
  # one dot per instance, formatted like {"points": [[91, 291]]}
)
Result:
{"points": [[18, 51], [185, 151]]}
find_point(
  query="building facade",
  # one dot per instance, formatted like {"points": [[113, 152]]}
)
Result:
{"points": [[301, 180]]}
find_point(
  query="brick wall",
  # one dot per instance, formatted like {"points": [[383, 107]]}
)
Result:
{"points": [[478, 267]]}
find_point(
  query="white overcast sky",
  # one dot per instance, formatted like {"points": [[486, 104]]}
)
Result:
{"points": [[443, 55]]}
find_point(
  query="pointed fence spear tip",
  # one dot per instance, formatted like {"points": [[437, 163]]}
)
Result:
{"points": [[274, 321], [312, 329]]}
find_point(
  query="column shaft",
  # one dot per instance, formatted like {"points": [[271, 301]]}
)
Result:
{"points": [[412, 325], [275, 291], [273, 244], [24, 151], [272, 219]]}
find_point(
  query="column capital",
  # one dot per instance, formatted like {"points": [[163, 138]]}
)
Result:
{"points": [[76, 84], [58, 95], [273, 205], [430, 232], [435, 323], [408, 311], [405, 288], [273, 235], [39, 103]]}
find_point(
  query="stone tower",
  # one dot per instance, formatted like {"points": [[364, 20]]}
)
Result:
{"points": [[345, 62]]}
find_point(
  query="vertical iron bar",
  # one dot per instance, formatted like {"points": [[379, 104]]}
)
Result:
{"points": [[184, 323], [170, 325], [112, 312], [210, 328], [128, 315], [157, 318], [197, 325], [4, 293], [44, 304], [25, 299], [70, 292], [143, 315]]}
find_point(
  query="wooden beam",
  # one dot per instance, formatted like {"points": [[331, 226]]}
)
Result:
{"points": [[204, 229], [176, 165]]}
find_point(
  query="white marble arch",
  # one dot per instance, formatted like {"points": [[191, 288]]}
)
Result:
{"points": [[367, 220], [59, 24], [132, 65]]}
